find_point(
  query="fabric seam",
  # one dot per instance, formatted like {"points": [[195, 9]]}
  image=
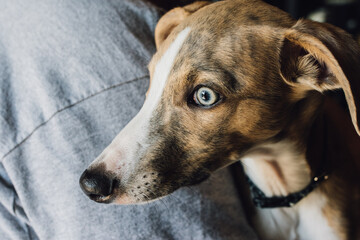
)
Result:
{"points": [[28, 232], [64, 108]]}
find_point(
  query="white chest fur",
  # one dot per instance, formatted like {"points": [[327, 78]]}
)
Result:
{"points": [[278, 170]]}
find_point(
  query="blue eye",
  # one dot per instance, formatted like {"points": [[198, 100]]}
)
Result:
{"points": [[205, 96]]}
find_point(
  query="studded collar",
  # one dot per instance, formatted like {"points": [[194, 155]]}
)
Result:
{"points": [[261, 201]]}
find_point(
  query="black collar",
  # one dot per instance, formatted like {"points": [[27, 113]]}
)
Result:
{"points": [[260, 200], [317, 152]]}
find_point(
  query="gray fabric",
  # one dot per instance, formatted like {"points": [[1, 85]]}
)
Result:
{"points": [[72, 74]]}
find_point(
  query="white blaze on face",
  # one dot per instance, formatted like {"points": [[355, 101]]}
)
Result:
{"points": [[121, 154], [162, 71]]}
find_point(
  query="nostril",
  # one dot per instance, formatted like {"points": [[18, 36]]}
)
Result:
{"points": [[96, 185]]}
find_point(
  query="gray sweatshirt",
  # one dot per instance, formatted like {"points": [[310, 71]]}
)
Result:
{"points": [[72, 74]]}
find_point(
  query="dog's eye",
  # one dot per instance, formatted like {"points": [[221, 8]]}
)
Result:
{"points": [[205, 96]]}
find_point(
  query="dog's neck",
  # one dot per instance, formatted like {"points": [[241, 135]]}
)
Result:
{"points": [[279, 166], [282, 167], [278, 169]]}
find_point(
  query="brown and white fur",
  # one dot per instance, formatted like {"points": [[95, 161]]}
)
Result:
{"points": [[270, 73]]}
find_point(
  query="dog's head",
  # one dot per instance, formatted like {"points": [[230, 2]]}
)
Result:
{"points": [[226, 77]]}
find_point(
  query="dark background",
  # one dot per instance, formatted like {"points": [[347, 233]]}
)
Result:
{"points": [[342, 13]]}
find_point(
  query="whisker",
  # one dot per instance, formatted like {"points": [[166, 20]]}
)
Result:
{"points": [[160, 200], [149, 199]]}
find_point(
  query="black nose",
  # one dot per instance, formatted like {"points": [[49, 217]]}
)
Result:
{"points": [[97, 186]]}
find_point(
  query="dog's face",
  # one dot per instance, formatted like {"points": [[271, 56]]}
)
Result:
{"points": [[221, 82]]}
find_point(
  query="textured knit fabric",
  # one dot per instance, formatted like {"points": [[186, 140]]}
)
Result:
{"points": [[72, 74]]}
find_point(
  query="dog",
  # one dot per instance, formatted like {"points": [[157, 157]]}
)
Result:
{"points": [[241, 80]]}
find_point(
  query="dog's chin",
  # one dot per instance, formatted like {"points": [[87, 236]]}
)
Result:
{"points": [[196, 179], [124, 200]]}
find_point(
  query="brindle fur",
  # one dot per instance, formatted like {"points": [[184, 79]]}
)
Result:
{"points": [[266, 66], [230, 61]]}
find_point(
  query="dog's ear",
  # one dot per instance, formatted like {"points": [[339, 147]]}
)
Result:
{"points": [[173, 18], [318, 56]]}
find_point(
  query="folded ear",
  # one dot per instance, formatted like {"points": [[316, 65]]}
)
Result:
{"points": [[318, 56], [173, 18]]}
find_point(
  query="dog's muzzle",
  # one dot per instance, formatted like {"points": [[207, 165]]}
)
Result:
{"points": [[98, 187]]}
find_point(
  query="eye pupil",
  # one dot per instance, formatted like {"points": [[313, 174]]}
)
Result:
{"points": [[205, 95]]}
